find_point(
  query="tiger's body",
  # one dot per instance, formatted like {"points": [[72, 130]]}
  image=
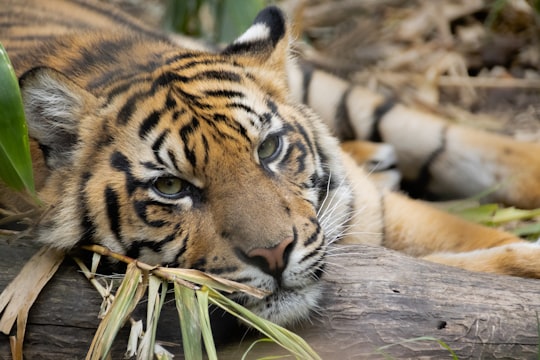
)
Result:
{"points": [[206, 160]]}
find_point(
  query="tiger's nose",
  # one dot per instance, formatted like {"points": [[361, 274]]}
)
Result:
{"points": [[272, 260]]}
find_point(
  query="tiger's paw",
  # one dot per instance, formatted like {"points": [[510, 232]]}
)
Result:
{"points": [[516, 259], [378, 159]]}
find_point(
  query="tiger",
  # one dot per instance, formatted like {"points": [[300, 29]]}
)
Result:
{"points": [[210, 160]]}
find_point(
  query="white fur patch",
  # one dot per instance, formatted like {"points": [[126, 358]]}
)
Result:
{"points": [[255, 33]]}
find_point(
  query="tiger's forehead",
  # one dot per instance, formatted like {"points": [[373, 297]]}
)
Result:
{"points": [[195, 115]]}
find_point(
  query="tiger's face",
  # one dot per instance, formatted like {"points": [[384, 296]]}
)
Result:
{"points": [[202, 164]]}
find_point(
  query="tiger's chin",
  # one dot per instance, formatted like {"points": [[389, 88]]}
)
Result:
{"points": [[286, 306]]}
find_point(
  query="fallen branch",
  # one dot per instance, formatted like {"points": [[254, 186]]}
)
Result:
{"points": [[373, 297]]}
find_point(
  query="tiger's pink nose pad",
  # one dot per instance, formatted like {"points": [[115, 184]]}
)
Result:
{"points": [[272, 260]]}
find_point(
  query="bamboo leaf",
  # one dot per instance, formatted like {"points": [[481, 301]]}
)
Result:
{"points": [[481, 214], [135, 334], [214, 282], [186, 304], [15, 161], [527, 230], [259, 341], [512, 214], [493, 214], [155, 303], [281, 336], [128, 295], [204, 317]]}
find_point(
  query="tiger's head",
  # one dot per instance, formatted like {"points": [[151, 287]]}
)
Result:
{"points": [[199, 160]]}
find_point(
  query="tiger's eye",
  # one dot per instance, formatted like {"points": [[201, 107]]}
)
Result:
{"points": [[168, 186], [269, 148]]}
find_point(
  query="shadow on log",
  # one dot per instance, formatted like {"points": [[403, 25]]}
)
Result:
{"points": [[373, 297]]}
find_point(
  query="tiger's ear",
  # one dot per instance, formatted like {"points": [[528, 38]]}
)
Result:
{"points": [[53, 105], [266, 41]]}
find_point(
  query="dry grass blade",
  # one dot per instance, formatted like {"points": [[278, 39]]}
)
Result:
{"points": [[281, 336], [192, 305], [128, 295], [18, 297], [252, 346], [186, 304], [217, 283], [105, 292], [155, 303], [202, 301], [381, 349], [135, 333], [185, 277]]}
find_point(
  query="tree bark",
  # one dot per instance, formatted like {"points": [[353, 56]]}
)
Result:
{"points": [[373, 297]]}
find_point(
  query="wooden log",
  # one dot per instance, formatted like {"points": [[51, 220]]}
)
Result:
{"points": [[373, 297]]}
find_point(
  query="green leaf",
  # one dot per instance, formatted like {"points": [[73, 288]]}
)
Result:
{"points": [[186, 304], [183, 16], [421, 338], [482, 214], [493, 214], [528, 230], [234, 17], [15, 161], [204, 316], [281, 336]]}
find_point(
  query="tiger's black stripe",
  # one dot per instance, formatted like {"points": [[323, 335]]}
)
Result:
{"points": [[299, 159], [379, 113], [105, 53], [121, 163], [141, 209], [156, 246], [222, 270], [298, 128], [344, 129], [310, 255], [180, 56], [224, 93], [88, 228], [206, 147], [149, 123], [113, 212], [119, 88], [221, 75], [185, 132], [307, 72], [194, 63], [192, 99], [172, 158], [158, 143], [125, 113], [313, 237], [418, 188]]}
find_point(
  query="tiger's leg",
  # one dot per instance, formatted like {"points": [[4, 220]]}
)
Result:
{"points": [[379, 160], [415, 228], [433, 155]]}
